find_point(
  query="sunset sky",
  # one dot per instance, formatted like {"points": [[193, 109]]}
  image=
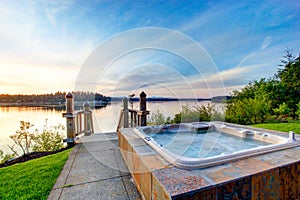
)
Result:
{"points": [[120, 47]]}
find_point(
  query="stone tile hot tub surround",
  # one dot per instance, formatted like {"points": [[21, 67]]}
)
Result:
{"points": [[274, 175]]}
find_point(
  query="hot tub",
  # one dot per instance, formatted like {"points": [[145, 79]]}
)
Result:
{"points": [[205, 144]]}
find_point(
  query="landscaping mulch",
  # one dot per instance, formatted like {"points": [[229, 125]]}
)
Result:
{"points": [[30, 156]]}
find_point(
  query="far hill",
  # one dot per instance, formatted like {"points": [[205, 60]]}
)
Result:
{"points": [[55, 99], [221, 98], [58, 99], [153, 99]]}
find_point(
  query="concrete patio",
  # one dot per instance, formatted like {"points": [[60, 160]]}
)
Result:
{"points": [[95, 170]]}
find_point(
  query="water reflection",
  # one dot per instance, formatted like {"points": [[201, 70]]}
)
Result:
{"points": [[105, 117]]}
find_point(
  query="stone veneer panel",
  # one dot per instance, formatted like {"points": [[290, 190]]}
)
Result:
{"points": [[266, 185], [177, 181], [237, 169], [158, 191], [270, 176], [290, 181]]}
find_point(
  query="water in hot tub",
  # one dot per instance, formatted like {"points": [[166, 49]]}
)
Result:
{"points": [[202, 144]]}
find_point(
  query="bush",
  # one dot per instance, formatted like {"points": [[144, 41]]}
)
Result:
{"points": [[298, 111], [23, 138], [187, 115], [1, 156], [248, 111], [197, 114], [157, 118], [29, 140], [5, 157], [50, 139], [283, 111]]}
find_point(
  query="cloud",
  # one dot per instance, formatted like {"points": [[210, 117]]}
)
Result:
{"points": [[224, 82], [127, 72], [145, 76], [128, 50], [58, 36], [31, 49], [266, 42], [210, 18], [53, 8], [32, 79], [232, 34]]}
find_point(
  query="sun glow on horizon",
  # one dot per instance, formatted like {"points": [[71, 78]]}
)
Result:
{"points": [[44, 44]]}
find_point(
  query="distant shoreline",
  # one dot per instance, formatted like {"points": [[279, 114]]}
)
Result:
{"points": [[60, 104], [155, 99], [50, 104], [32, 104], [172, 99]]}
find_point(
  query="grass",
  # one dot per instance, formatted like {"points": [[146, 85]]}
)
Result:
{"points": [[33, 179], [285, 127]]}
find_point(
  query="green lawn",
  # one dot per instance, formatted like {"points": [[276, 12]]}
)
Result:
{"points": [[32, 179], [285, 127]]}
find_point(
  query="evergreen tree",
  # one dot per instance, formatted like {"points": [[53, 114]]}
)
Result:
{"points": [[289, 75], [259, 100]]}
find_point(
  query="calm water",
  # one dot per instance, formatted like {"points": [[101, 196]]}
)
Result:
{"points": [[204, 144], [105, 119]]}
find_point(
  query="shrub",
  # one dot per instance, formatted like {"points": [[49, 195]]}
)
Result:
{"points": [[248, 110], [23, 138], [157, 118], [283, 110], [29, 140], [298, 111], [187, 115], [50, 139], [5, 157], [198, 113]]}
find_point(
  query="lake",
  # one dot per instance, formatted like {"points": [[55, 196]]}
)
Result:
{"points": [[105, 119]]}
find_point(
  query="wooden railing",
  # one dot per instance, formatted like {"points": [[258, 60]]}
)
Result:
{"points": [[78, 122], [84, 121], [130, 118], [130, 122]]}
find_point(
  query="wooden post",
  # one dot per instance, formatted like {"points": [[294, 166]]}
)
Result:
{"points": [[88, 126], [131, 119], [143, 110], [143, 101], [125, 113], [70, 120], [134, 119]]}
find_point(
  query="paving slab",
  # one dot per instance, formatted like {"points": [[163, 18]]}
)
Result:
{"points": [[99, 146], [99, 137], [112, 188], [95, 169]]}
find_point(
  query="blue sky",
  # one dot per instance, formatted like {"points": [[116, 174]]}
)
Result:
{"points": [[44, 45]]}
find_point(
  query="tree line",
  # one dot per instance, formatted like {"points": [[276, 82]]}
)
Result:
{"points": [[269, 99], [57, 97]]}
